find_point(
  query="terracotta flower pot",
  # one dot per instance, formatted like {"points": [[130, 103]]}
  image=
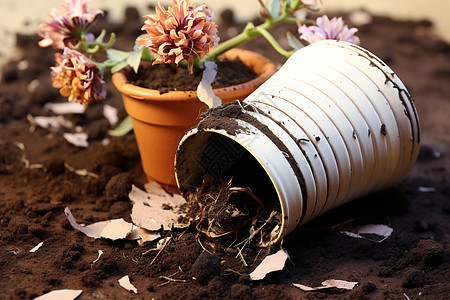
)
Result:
{"points": [[161, 120]]}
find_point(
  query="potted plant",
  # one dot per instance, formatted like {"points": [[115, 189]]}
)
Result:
{"points": [[160, 120], [185, 35]]}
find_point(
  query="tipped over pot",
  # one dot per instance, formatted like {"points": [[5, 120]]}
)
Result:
{"points": [[333, 124]]}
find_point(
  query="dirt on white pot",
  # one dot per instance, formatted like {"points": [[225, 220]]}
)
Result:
{"points": [[333, 124]]}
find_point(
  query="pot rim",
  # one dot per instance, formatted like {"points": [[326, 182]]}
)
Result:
{"points": [[261, 65], [283, 179]]}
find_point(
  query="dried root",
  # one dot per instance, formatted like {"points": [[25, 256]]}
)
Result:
{"points": [[221, 210]]}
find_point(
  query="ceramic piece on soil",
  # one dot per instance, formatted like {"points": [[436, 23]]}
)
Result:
{"points": [[60, 294], [328, 284], [161, 120], [126, 284], [341, 92], [271, 263]]}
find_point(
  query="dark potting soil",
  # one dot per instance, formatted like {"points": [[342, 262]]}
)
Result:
{"points": [[413, 262], [170, 77]]}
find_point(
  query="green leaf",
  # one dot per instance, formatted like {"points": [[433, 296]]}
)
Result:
{"points": [[100, 38], [293, 41], [116, 55], [274, 8], [134, 59], [294, 4], [119, 66], [93, 50], [124, 127], [147, 55], [112, 39]]}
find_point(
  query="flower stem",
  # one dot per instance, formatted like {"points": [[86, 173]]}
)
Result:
{"points": [[250, 32], [274, 43]]}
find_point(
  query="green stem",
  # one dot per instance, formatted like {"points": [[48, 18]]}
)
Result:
{"points": [[96, 46], [308, 22], [250, 32], [146, 55], [198, 63], [274, 43], [291, 20], [106, 65]]}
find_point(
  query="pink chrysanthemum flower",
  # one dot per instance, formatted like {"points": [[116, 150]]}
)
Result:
{"points": [[180, 33], [67, 24], [327, 29], [77, 77]]}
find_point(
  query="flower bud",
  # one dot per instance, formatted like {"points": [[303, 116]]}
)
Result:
{"points": [[264, 13]]}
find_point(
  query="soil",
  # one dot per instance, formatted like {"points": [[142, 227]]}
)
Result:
{"points": [[37, 182], [170, 77]]}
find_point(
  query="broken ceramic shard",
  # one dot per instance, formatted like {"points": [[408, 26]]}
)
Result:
{"points": [[327, 284], [36, 248], [52, 123], [379, 230], [60, 295], [205, 91], [126, 284], [143, 235], [112, 229], [271, 263], [155, 209], [100, 252], [162, 243], [79, 139], [66, 108], [110, 113]]}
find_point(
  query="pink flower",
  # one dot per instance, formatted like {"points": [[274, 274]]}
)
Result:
{"points": [[327, 29], [183, 32], [67, 24], [77, 77]]}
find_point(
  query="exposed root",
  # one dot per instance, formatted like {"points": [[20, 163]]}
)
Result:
{"points": [[221, 210], [169, 279]]}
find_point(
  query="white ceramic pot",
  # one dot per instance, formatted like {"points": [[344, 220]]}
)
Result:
{"points": [[333, 124]]}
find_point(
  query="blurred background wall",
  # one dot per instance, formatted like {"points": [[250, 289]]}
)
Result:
{"points": [[25, 15]]}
